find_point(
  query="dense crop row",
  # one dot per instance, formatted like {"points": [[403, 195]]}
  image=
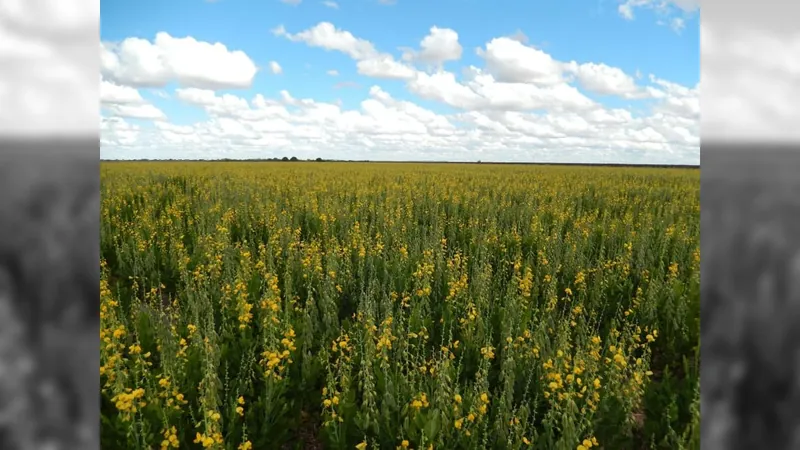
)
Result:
{"points": [[399, 306]]}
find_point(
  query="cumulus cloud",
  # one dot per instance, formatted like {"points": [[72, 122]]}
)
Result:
{"points": [[481, 91], [371, 62], [509, 60], [383, 127], [275, 68], [187, 61], [331, 4], [520, 105], [326, 35], [116, 131], [116, 94], [439, 46], [606, 80], [125, 101]]}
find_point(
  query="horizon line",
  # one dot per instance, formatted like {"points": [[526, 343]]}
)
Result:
{"points": [[480, 162]]}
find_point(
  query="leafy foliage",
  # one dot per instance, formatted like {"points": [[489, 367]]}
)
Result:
{"points": [[399, 306]]}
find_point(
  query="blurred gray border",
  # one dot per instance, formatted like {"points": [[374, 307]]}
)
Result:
{"points": [[750, 226], [64, 169]]}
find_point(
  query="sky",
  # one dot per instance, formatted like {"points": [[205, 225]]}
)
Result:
{"points": [[456, 80]]}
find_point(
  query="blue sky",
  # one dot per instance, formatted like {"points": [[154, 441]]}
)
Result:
{"points": [[569, 80]]}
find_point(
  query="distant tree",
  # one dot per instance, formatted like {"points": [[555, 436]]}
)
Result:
{"points": [[319, 159], [294, 158], [479, 161], [284, 159]]}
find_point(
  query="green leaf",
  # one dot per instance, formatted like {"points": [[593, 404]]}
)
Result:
{"points": [[433, 425]]}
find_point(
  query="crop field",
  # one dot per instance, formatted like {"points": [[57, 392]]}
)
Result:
{"points": [[381, 306]]}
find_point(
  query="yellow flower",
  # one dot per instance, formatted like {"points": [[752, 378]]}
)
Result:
{"points": [[362, 445], [458, 423]]}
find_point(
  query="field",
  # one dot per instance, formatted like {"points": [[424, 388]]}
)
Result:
{"points": [[382, 306]]}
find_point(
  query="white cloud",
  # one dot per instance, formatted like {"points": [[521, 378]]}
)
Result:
{"points": [[677, 24], [125, 101], [439, 46], [606, 80], [333, 73], [626, 9], [483, 92], [117, 132], [510, 60], [664, 8], [111, 93], [522, 105], [385, 128], [675, 98], [275, 68], [331, 4], [371, 62], [136, 111], [384, 66], [224, 105], [187, 61], [326, 35]]}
